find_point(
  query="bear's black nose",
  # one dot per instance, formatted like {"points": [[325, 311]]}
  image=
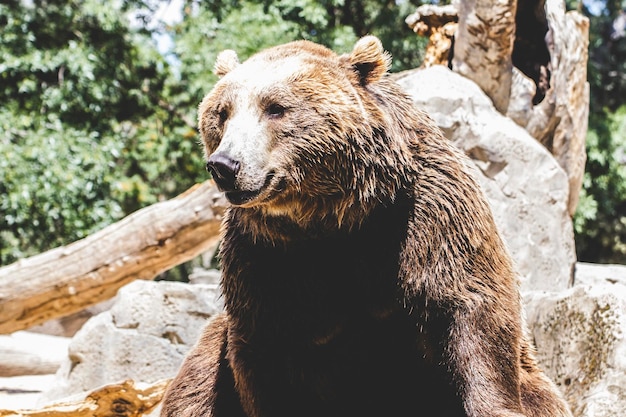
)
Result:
{"points": [[224, 170]]}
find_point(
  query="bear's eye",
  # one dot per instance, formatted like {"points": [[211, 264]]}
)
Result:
{"points": [[222, 115], [275, 111]]}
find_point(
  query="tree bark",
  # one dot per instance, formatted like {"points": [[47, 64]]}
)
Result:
{"points": [[484, 45], [439, 24], [559, 122], [69, 278], [121, 400]]}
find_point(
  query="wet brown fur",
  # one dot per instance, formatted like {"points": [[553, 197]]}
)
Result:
{"points": [[374, 281]]}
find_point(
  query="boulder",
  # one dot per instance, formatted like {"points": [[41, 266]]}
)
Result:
{"points": [[579, 334], [525, 185], [144, 337], [597, 274], [23, 392]]}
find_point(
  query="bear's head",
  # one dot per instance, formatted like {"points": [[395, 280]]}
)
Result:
{"points": [[297, 129]]}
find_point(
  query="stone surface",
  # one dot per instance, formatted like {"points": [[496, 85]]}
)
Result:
{"points": [[525, 185], [22, 392], [144, 336], [599, 274], [579, 334], [523, 90], [205, 276]]}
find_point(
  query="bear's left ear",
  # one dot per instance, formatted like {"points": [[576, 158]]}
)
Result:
{"points": [[226, 62], [369, 59]]}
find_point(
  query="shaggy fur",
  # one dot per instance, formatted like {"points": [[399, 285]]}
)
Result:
{"points": [[363, 274]]}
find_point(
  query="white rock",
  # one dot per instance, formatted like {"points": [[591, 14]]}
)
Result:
{"points": [[144, 337], [579, 334], [523, 90], [23, 392], [599, 274], [525, 185]]}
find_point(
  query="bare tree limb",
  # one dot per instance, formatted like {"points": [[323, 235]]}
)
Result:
{"points": [[21, 354], [69, 278]]}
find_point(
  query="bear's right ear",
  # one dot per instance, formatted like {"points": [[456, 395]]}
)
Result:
{"points": [[369, 59], [226, 61]]}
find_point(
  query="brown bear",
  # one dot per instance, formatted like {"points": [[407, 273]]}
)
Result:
{"points": [[363, 274]]}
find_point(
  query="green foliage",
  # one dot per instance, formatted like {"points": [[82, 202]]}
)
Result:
{"points": [[85, 135], [201, 36], [55, 182], [600, 220], [339, 23], [78, 60]]}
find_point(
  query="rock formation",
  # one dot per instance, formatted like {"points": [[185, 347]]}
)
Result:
{"points": [[144, 337], [530, 58]]}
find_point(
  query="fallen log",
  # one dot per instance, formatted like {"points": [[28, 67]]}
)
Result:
{"points": [[141, 246], [21, 353], [120, 400]]}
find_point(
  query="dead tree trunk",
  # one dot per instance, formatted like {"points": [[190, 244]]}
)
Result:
{"points": [[560, 120], [484, 44], [69, 278]]}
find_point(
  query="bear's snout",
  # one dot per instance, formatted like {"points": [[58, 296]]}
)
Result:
{"points": [[224, 170]]}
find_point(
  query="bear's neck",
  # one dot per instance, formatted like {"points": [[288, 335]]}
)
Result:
{"points": [[319, 279]]}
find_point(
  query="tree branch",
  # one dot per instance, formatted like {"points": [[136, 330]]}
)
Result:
{"points": [[150, 241]]}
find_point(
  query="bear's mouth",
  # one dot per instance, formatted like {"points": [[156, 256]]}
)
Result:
{"points": [[243, 197], [238, 198]]}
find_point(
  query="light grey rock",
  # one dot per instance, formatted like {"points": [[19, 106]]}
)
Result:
{"points": [[525, 185], [144, 336], [579, 335], [523, 90], [205, 276], [599, 274]]}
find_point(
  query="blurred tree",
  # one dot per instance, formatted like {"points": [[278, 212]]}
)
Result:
{"points": [[248, 26], [85, 135], [339, 23], [600, 221]]}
